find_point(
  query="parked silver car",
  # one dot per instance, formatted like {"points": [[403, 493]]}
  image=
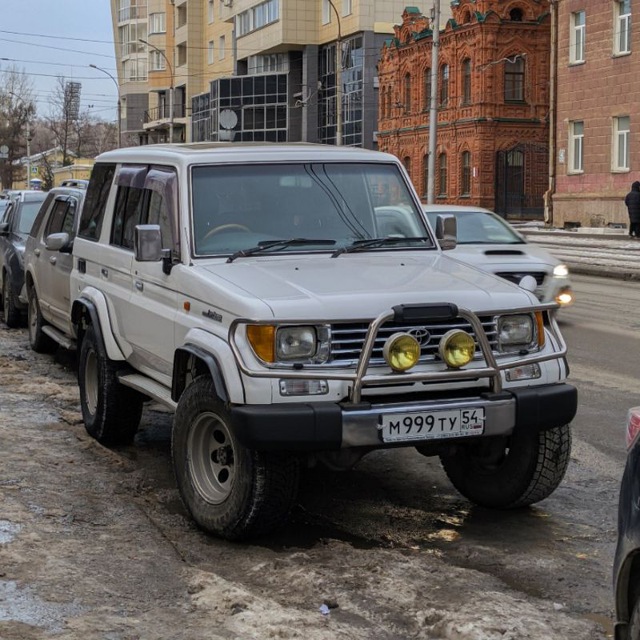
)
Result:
{"points": [[487, 241], [47, 263]]}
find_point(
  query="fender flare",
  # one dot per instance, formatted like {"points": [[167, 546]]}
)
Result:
{"points": [[180, 363], [93, 303]]}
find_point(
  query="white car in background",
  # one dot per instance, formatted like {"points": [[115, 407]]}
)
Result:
{"points": [[487, 241]]}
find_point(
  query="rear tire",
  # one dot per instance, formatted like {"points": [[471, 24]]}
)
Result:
{"points": [[513, 472], [229, 490], [12, 315], [633, 630], [40, 342], [111, 411]]}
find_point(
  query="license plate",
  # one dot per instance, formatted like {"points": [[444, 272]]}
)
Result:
{"points": [[432, 425]]}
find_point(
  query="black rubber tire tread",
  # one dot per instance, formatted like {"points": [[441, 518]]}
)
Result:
{"points": [[40, 342], [633, 630], [265, 486], [118, 408], [13, 317], [533, 468]]}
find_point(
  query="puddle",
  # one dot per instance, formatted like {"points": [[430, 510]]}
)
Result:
{"points": [[8, 531], [21, 605], [603, 621]]}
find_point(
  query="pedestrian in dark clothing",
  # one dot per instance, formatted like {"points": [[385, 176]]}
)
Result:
{"points": [[632, 200]]}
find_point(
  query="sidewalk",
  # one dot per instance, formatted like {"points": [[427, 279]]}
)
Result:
{"points": [[591, 251]]}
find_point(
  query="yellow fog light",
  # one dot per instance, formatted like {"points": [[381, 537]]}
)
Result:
{"points": [[456, 348], [401, 351]]}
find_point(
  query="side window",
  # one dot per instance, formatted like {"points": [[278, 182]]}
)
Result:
{"points": [[130, 203], [42, 215], [159, 214], [96, 201], [67, 224], [58, 214]]}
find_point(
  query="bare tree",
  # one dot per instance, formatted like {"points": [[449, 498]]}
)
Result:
{"points": [[17, 108]]}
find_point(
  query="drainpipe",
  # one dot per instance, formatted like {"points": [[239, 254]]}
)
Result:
{"points": [[553, 68], [433, 106]]}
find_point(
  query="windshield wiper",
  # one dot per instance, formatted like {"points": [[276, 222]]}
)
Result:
{"points": [[374, 243], [264, 245]]}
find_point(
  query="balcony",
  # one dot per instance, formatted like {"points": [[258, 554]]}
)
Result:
{"points": [[161, 115], [138, 12]]}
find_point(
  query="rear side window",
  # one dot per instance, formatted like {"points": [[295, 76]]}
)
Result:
{"points": [[96, 201], [61, 219]]}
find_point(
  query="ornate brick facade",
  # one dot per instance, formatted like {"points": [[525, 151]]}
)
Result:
{"points": [[493, 132]]}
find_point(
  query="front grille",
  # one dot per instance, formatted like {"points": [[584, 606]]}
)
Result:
{"points": [[516, 276], [347, 339]]}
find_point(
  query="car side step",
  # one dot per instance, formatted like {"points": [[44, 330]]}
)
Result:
{"points": [[149, 387], [64, 341]]}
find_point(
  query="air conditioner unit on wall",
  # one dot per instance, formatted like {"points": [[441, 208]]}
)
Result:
{"points": [[227, 3]]}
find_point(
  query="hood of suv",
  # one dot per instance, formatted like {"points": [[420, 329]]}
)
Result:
{"points": [[304, 286]]}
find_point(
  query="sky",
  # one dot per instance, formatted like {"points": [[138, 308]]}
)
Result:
{"points": [[51, 38]]}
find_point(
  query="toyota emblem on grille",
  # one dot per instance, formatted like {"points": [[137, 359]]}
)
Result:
{"points": [[421, 335]]}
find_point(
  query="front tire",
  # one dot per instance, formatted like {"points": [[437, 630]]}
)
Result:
{"points": [[229, 490], [111, 411], [40, 342], [508, 473], [12, 315]]}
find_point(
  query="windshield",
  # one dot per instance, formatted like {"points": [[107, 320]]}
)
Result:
{"points": [[238, 207], [479, 227], [28, 212]]}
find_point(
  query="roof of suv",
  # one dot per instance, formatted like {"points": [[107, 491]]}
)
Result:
{"points": [[27, 196]]}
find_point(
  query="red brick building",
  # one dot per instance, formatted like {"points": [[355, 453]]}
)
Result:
{"points": [[493, 97], [598, 111]]}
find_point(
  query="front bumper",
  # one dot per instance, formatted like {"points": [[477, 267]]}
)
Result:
{"points": [[326, 426]]}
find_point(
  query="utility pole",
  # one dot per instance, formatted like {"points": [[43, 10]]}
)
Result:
{"points": [[433, 103], [338, 78], [93, 66]]}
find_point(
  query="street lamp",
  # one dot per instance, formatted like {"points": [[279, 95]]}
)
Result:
{"points": [[28, 127], [338, 79], [93, 66], [153, 46]]}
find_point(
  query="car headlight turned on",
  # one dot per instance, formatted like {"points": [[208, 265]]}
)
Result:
{"points": [[457, 348], [564, 297], [289, 344], [561, 271], [401, 351], [520, 332]]}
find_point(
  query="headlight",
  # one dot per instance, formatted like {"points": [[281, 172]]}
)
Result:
{"points": [[561, 271], [289, 344], [457, 348], [401, 351], [515, 332]]}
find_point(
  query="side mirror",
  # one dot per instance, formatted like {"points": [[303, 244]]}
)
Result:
{"points": [[4, 228], [148, 243], [58, 242], [447, 232]]}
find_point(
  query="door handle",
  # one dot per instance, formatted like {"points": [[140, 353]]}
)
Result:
{"points": [[104, 272], [36, 252], [139, 285], [53, 259]]}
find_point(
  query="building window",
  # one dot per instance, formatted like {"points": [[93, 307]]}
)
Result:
{"points": [[425, 175], [157, 23], [514, 80], [444, 85], [442, 171], [347, 7], [466, 81], [407, 164], [182, 53], [257, 17], [427, 89], [465, 173], [576, 146], [577, 36], [326, 12], [407, 93], [211, 47], [621, 138], [622, 23], [268, 63], [181, 18], [156, 61], [221, 48], [211, 11]]}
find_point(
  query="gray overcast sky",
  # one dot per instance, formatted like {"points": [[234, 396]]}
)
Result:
{"points": [[50, 38]]}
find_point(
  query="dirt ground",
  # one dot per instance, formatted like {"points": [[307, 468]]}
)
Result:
{"points": [[95, 544]]}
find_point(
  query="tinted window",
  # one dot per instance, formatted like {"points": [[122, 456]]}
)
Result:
{"points": [[478, 227], [96, 201], [61, 218], [130, 203]]}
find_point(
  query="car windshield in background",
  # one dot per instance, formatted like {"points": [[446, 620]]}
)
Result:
{"points": [[479, 227], [238, 207], [27, 213]]}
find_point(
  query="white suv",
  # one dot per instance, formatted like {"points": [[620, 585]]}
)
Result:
{"points": [[291, 304]]}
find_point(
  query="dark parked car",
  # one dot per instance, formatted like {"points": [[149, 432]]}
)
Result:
{"points": [[626, 574], [15, 225], [47, 265]]}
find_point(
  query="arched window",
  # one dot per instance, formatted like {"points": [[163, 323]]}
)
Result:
{"points": [[444, 85], [407, 93], [425, 175], [427, 89], [465, 174], [383, 103], [514, 80], [442, 171], [516, 15], [466, 81], [407, 164], [389, 101]]}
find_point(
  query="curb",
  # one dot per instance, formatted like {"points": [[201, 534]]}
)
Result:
{"points": [[602, 272]]}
